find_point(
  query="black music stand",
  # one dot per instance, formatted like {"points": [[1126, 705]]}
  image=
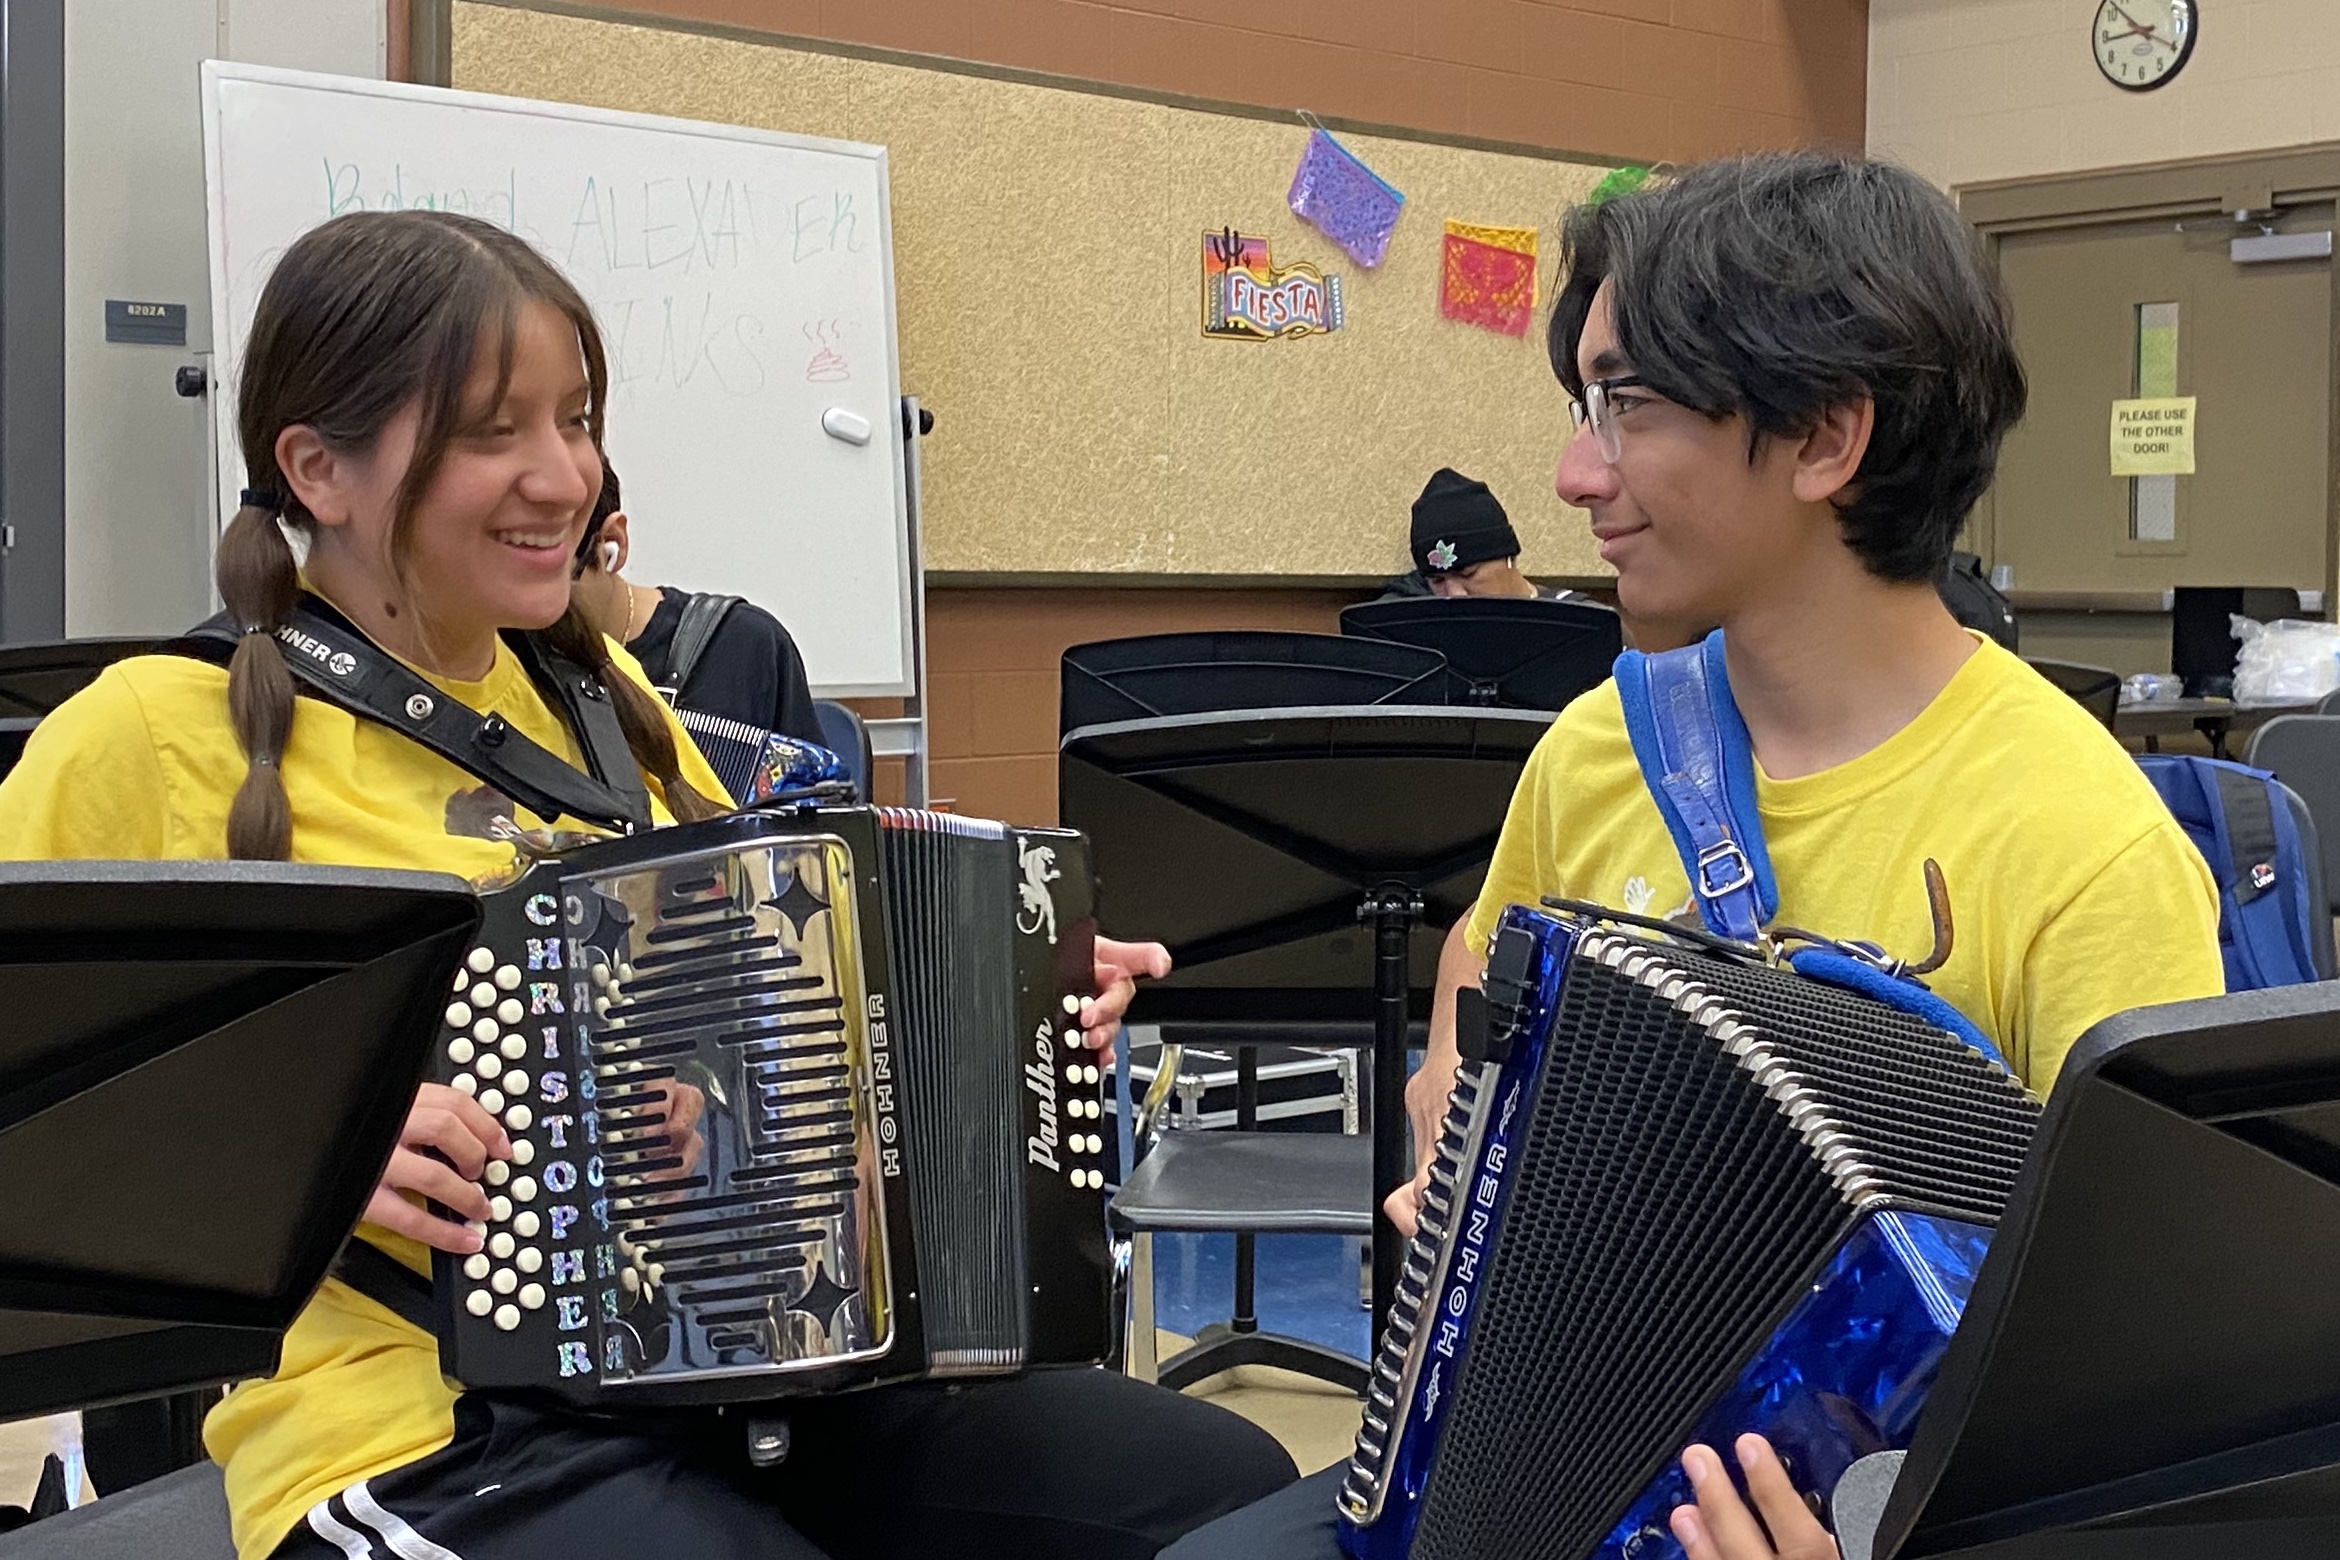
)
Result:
{"points": [[2149, 1366], [1255, 843], [35, 679], [1525, 655], [203, 1072], [1238, 669]]}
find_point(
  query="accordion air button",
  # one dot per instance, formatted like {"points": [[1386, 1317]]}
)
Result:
{"points": [[459, 1050], [491, 1100], [483, 996], [514, 1047], [532, 1297], [499, 1210], [475, 1266], [531, 1259], [465, 1083], [518, 1118], [498, 1172], [507, 1318], [524, 1190], [485, 1031], [509, 977], [481, 961], [525, 1225], [458, 1015], [504, 1281], [479, 1302], [515, 1084], [509, 1011], [523, 1153], [500, 1245]]}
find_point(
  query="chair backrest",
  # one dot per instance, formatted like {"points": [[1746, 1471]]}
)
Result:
{"points": [[2303, 751], [1198, 674], [182, 1515], [2098, 688], [1524, 655], [2329, 704], [843, 734]]}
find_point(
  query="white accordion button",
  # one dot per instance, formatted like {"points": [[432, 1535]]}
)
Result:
{"points": [[475, 1266], [509, 1011], [532, 1297], [507, 1318], [515, 1084], [484, 1031], [1072, 1004], [514, 1047], [655, 1274], [483, 996], [504, 1282], [500, 1209], [462, 978], [525, 1225], [518, 1119], [491, 1100], [524, 1190], [459, 1051], [531, 1259], [481, 961], [458, 1015], [479, 1302], [601, 1007], [1090, 1075], [1072, 1039], [498, 1172], [524, 1153], [509, 977], [465, 1083], [489, 1065], [500, 1246], [632, 1280], [601, 974]]}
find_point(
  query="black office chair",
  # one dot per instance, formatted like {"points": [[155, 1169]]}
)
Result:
{"points": [[2097, 688], [844, 734], [1195, 674], [2303, 751]]}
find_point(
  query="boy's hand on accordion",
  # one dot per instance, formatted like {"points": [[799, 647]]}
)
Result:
{"points": [[443, 1150], [1119, 967], [1720, 1527]]}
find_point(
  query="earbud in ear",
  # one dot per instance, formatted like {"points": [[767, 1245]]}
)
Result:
{"points": [[609, 557]]}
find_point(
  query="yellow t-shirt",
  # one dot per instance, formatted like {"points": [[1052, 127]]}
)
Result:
{"points": [[142, 765], [2073, 893]]}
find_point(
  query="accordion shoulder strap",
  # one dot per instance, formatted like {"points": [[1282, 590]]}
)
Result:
{"points": [[386, 1281], [702, 614], [1699, 765], [332, 660]]}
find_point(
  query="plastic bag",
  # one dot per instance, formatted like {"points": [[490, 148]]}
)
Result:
{"points": [[2285, 662]]}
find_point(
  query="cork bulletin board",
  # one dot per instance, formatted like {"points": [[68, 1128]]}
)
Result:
{"points": [[1048, 276]]}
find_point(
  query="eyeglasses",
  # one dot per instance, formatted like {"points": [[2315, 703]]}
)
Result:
{"points": [[1600, 410]]}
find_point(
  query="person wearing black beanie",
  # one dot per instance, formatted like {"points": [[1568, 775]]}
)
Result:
{"points": [[1463, 544]]}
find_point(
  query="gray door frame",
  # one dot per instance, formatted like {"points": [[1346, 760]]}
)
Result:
{"points": [[32, 320]]}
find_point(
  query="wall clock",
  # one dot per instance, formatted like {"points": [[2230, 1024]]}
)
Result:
{"points": [[2142, 44]]}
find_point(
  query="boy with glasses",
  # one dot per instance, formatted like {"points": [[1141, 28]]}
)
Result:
{"points": [[1791, 375]]}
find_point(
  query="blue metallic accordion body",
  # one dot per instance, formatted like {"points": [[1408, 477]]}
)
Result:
{"points": [[1696, 1198]]}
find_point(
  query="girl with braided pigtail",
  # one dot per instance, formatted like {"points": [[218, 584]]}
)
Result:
{"points": [[421, 415]]}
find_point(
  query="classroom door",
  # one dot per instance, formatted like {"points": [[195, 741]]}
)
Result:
{"points": [[2111, 312]]}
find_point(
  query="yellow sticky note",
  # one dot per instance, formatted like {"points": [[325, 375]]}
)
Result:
{"points": [[2153, 438]]}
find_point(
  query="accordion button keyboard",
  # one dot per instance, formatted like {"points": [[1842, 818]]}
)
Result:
{"points": [[531, 1260], [479, 1302], [501, 1245], [507, 1317], [518, 1118], [458, 1015], [508, 977], [524, 1225], [466, 1083], [509, 1011], [503, 1281], [532, 1297], [491, 1101], [481, 960], [475, 1266], [523, 1152], [459, 1051]]}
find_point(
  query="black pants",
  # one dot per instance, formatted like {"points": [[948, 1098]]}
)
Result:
{"points": [[1295, 1523], [1077, 1464]]}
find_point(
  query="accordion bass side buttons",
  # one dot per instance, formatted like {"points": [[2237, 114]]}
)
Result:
{"points": [[791, 1107], [1697, 1198]]}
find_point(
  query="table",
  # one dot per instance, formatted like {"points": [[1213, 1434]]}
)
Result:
{"points": [[2213, 718]]}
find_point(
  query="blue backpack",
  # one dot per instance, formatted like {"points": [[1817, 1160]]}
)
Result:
{"points": [[2239, 818]]}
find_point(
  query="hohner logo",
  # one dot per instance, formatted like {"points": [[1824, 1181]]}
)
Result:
{"points": [[339, 662], [1040, 1078]]}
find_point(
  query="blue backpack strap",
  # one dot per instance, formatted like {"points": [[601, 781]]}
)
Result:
{"points": [[1699, 764], [2260, 842]]}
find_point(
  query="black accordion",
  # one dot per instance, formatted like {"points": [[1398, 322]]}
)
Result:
{"points": [[798, 1103], [1677, 1197]]}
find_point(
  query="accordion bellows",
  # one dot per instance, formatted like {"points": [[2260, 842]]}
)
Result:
{"points": [[1698, 1198]]}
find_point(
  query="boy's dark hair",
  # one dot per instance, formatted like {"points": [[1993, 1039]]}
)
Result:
{"points": [[607, 502], [1779, 286]]}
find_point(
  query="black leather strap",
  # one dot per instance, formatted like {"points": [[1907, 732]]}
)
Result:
{"points": [[702, 614], [387, 1282], [2250, 832], [337, 663]]}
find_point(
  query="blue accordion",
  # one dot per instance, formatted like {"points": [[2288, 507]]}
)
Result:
{"points": [[1677, 1197]]}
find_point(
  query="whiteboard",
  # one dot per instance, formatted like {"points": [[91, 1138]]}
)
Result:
{"points": [[744, 284]]}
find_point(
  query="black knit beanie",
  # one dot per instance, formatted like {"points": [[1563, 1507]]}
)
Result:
{"points": [[1457, 523]]}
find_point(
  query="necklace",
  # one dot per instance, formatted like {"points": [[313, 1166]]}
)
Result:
{"points": [[633, 605]]}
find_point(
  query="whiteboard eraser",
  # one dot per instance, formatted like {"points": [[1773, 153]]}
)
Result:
{"points": [[839, 423]]}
